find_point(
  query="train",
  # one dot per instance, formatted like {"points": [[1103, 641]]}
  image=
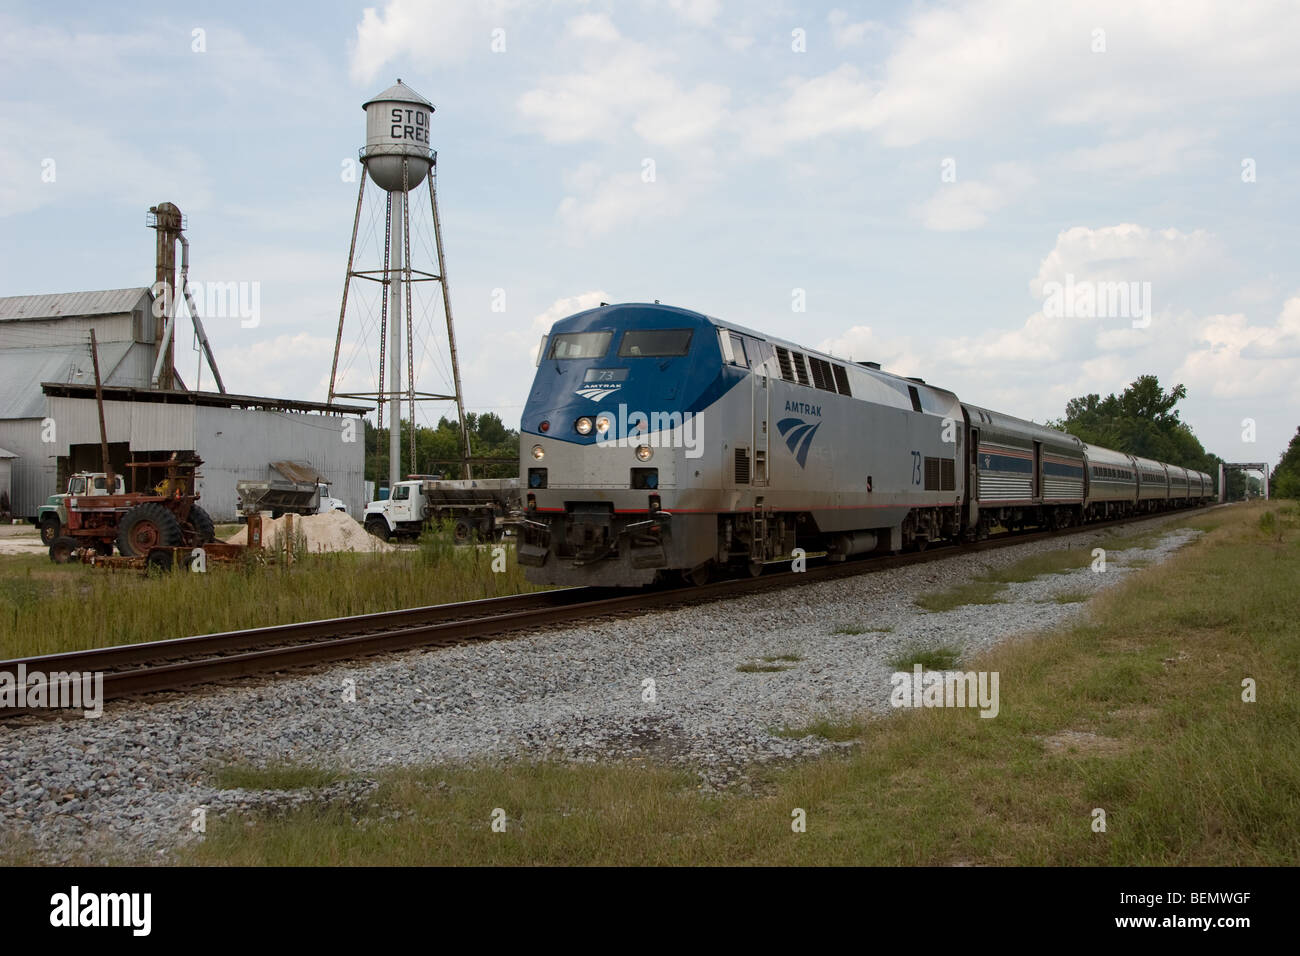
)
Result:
{"points": [[661, 443]]}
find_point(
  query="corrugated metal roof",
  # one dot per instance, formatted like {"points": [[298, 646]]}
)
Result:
{"points": [[59, 304], [23, 370]]}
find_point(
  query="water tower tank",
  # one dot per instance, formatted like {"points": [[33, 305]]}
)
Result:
{"points": [[397, 126]]}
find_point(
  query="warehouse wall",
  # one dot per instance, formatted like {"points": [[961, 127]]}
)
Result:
{"points": [[32, 473], [240, 443]]}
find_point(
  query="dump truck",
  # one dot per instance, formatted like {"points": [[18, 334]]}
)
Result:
{"points": [[476, 507], [291, 487]]}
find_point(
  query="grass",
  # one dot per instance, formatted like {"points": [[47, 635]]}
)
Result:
{"points": [[760, 668], [1072, 597], [990, 587], [862, 630], [46, 608], [930, 659], [1147, 691], [830, 728], [783, 657]]}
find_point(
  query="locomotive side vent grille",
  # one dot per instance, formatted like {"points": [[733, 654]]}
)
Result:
{"points": [[742, 466], [947, 474], [932, 474], [842, 379], [823, 377], [800, 369], [787, 370]]}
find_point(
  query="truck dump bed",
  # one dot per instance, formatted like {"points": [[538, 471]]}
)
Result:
{"points": [[470, 492]]}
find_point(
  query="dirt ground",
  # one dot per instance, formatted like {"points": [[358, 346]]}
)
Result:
{"points": [[20, 539]]}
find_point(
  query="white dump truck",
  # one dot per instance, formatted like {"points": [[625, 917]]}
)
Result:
{"points": [[475, 507], [290, 486]]}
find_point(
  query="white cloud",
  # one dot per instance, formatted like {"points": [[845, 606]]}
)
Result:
{"points": [[967, 204], [621, 85], [699, 12], [1154, 153], [419, 31], [567, 306], [845, 32], [613, 201], [984, 65], [1125, 253]]}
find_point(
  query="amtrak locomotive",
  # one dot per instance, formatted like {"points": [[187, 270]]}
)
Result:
{"points": [[660, 441]]}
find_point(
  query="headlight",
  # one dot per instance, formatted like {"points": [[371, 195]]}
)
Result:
{"points": [[583, 426], [643, 452], [539, 452], [602, 424]]}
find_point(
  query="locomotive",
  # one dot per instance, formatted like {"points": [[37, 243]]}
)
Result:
{"points": [[657, 441]]}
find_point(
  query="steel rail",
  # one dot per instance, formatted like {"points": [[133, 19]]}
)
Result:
{"points": [[327, 641]]}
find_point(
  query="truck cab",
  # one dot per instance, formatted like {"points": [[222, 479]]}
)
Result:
{"points": [[401, 514], [52, 517]]}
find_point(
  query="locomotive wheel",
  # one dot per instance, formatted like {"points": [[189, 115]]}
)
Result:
{"points": [[203, 525], [145, 527], [49, 530], [699, 576], [62, 548], [755, 569]]}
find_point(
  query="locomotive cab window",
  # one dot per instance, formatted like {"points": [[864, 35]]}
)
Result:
{"points": [[579, 345], [654, 343]]}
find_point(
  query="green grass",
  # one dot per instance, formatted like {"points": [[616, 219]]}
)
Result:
{"points": [[830, 728], [783, 657], [862, 630], [760, 668], [930, 659], [1189, 774], [1072, 597], [47, 608]]}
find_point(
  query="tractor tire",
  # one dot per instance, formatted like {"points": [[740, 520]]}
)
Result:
{"points": [[145, 527], [49, 530], [203, 526], [158, 560], [62, 548]]}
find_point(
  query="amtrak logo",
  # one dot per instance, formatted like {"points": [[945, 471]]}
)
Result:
{"points": [[597, 392], [798, 435]]}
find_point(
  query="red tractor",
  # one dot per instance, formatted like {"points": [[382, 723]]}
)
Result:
{"points": [[140, 525]]}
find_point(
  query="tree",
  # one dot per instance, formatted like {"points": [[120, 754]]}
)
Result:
{"points": [[1285, 481], [1143, 420], [438, 450]]}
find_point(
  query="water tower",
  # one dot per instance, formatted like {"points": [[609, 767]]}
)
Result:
{"points": [[398, 159]]}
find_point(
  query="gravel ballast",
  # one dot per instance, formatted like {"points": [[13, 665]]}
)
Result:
{"points": [[129, 783]]}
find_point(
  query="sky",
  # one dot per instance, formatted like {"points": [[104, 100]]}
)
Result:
{"points": [[1023, 202]]}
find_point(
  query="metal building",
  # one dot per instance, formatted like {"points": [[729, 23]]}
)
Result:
{"points": [[49, 418]]}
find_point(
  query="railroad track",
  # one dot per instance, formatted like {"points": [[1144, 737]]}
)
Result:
{"points": [[135, 669]]}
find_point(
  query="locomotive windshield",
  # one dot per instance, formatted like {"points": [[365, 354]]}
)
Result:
{"points": [[640, 343], [579, 345]]}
